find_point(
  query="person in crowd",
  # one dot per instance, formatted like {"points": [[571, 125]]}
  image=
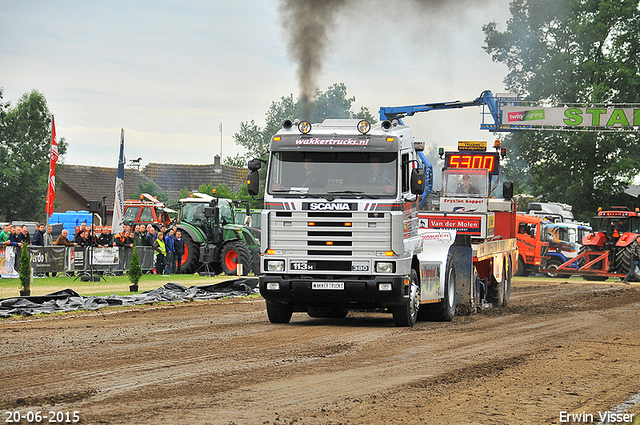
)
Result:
{"points": [[38, 236], [12, 250], [20, 237], [63, 239], [82, 238], [48, 237], [150, 237], [168, 241], [161, 251], [124, 241], [105, 240], [5, 234], [178, 246]]}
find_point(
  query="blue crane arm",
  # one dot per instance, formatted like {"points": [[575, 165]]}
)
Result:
{"points": [[486, 99], [428, 187]]}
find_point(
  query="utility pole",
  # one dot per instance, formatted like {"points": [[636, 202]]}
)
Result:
{"points": [[221, 141]]}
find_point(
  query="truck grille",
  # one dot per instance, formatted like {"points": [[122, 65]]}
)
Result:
{"points": [[320, 238]]}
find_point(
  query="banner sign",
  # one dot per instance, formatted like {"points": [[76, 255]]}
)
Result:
{"points": [[46, 259], [572, 117], [105, 256]]}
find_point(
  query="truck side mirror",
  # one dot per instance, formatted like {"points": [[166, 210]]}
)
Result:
{"points": [[253, 183], [254, 164], [418, 180], [507, 190]]}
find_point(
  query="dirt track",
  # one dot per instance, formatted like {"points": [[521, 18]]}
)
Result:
{"points": [[558, 347]]}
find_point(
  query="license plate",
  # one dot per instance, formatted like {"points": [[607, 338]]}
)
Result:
{"points": [[327, 285]]}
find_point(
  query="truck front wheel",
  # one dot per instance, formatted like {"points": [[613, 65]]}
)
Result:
{"points": [[406, 315], [279, 313]]}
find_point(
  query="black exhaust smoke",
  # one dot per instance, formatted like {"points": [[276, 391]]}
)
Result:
{"points": [[305, 24]]}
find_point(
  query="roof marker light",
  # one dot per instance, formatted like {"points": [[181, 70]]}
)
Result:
{"points": [[304, 127], [364, 126]]}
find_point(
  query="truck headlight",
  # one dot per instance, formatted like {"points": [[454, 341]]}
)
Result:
{"points": [[273, 286], [275, 266], [385, 287], [385, 267]]}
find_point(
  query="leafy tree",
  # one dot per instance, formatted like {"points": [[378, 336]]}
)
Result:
{"points": [[25, 146], [135, 271], [572, 51], [151, 189], [25, 269], [330, 104]]}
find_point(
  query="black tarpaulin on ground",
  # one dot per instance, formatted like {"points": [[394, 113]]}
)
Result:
{"points": [[70, 300]]}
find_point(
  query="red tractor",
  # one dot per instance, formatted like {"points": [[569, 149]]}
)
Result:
{"points": [[606, 252]]}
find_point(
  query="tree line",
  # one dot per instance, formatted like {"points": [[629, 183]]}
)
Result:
{"points": [[559, 52]]}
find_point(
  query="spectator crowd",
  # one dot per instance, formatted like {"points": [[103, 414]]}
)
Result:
{"points": [[167, 244]]}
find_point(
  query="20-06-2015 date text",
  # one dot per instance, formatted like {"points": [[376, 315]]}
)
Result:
{"points": [[50, 417]]}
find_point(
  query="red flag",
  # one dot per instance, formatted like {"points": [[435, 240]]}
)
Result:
{"points": [[51, 189]]}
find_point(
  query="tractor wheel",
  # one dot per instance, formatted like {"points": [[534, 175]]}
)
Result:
{"points": [[553, 264], [623, 259], [234, 253], [191, 257], [406, 315]]}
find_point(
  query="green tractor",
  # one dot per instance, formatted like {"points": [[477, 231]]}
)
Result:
{"points": [[213, 243]]}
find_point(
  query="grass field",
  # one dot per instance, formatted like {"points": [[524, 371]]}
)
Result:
{"points": [[110, 285]]}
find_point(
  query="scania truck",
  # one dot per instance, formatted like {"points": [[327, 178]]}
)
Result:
{"points": [[341, 229]]}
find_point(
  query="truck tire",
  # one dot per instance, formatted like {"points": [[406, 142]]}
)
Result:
{"points": [[446, 308], [522, 268], [406, 315], [553, 264], [279, 313], [232, 254], [496, 293], [507, 283], [191, 259]]}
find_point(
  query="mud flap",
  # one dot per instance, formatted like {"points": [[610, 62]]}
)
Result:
{"points": [[463, 261]]}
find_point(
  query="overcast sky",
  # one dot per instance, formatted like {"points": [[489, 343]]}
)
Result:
{"points": [[170, 72]]}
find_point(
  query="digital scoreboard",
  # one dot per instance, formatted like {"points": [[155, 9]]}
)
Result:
{"points": [[474, 160]]}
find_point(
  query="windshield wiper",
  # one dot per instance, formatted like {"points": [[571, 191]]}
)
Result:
{"points": [[302, 193], [358, 193]]}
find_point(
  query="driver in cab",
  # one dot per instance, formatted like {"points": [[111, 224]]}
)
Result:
{"points": [[466, 187]]}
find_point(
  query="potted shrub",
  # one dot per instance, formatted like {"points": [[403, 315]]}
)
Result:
{"points": [[25, 272], [135, 271]]}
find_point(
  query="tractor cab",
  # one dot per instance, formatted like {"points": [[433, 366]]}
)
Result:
{"points": [[617, 227]]}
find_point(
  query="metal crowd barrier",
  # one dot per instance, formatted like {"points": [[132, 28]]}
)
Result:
{"points": [[63, 260]]}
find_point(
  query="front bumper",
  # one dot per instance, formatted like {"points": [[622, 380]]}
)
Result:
{"points": [[357, 293]]}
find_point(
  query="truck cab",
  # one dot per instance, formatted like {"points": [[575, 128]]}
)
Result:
{"points": [[340, 228]]}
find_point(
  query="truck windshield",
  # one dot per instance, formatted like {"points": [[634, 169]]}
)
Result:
{"points": [[371, 174], [466, 183]]}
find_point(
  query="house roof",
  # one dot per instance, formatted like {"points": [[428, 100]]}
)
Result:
{"points": [[175, 177], [92, 183]]}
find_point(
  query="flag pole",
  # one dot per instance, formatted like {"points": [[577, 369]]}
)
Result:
{"points": [[117, 224], [51, 185]]}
